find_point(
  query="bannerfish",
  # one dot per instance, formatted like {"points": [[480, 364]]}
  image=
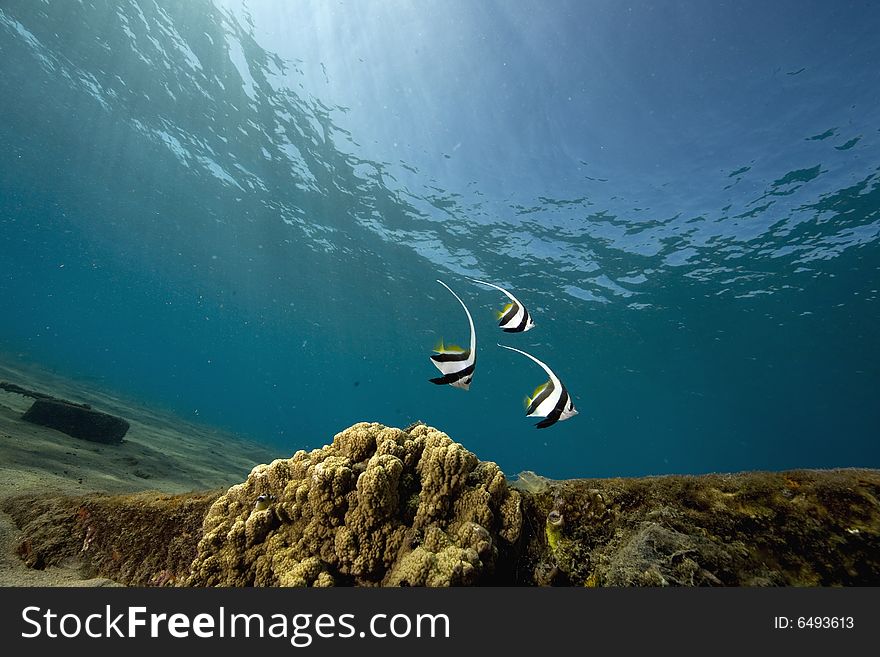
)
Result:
{"points": [[456, 364], [513, 318], [550, 400]]}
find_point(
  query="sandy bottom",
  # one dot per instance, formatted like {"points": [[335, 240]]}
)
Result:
{"points": [[160, 452]]}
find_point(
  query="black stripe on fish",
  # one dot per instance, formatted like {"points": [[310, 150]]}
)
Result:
{"points": [[457, 368], [510, 314], [446, 357], [452, 377], [556, 413], [541, 396], [521, 326]]}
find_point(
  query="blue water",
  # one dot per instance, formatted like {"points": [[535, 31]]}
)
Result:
{"points": [[238, 212]]}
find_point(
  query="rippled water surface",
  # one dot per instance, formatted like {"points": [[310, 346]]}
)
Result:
{"points": [[239, 210]]}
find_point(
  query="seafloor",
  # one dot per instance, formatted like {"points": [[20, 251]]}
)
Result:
{"points": [[160, 452], [176, 504]]}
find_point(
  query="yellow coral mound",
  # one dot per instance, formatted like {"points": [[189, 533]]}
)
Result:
{"points": [[378, 506]]}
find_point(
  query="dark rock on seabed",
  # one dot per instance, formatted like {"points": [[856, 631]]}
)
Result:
{"points": [[77, 420], [795, 528]]}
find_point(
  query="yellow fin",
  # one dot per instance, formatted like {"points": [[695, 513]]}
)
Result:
{"points": [[528, 400], [441, 348], [501, 313]]}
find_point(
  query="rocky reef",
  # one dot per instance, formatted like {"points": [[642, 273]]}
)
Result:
{"points": [[378, 506], [794, 528], [381, 506], [143, 539]]}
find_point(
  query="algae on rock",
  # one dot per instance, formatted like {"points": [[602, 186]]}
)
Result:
{"points": [[382, 506], [378, 506], [793, 528], [140, 539]]}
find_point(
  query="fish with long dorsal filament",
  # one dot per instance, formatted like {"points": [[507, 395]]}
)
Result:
{"points": [[550, 400], [455, 363], [513, 318]]}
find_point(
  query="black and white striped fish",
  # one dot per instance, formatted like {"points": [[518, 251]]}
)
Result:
{"points": [[456, 364], [550, 400], [513, 318]]}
